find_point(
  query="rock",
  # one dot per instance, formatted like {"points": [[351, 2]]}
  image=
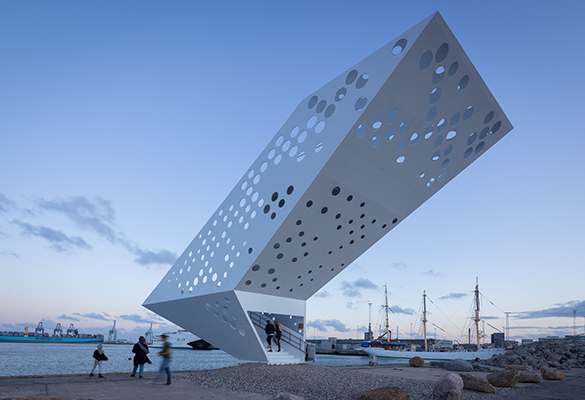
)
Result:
{"points": [[439, 364], [519, 368], [483, 367], [286, 396], [477, 383], [530, 377], [505, 378], [385, 393], [416, 362], [448, 387], [459, 365], [551, 374]]}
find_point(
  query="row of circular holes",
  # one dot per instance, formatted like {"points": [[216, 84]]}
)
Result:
{"points": [[324, 210], [224, 317]]}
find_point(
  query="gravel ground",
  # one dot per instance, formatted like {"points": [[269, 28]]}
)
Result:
{"points": [[321, 383]]}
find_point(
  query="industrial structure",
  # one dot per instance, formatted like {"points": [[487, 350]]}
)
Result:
{"points": [[353, 160]]}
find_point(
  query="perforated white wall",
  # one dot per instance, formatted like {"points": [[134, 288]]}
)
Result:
{"points": [[353, 160]]}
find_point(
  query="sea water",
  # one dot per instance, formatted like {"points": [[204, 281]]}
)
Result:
{"points": [[21, 359]]}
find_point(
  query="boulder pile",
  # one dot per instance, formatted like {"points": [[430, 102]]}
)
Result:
{"points": [[556, 354]]}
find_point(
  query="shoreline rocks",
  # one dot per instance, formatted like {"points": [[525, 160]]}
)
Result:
{"points": [[557, 354]]}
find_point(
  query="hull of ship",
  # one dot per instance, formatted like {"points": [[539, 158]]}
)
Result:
{"points": [[483, 354], [48, 339]]}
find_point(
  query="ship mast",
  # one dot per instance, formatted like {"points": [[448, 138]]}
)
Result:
{"points": [[386, 306], [424, 320], [477, 311]]}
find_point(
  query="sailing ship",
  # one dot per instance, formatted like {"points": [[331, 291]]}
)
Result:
{"points": [[400, 351]]}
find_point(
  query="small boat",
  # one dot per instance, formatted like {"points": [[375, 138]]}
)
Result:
{"points": [[401, 351]]}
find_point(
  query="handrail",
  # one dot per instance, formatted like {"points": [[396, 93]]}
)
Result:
{"points": [[288, 335]]}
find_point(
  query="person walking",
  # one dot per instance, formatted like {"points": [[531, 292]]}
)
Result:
{"points": [[98, 357], [269, 329], [140, 351], [278, 334], [165, 365]]}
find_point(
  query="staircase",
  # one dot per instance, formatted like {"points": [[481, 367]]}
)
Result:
{"points": [[290, 340]]}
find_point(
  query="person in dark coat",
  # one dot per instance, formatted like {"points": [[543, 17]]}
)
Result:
{"points": [[140, 351], [278, 334], [98, 357], [269, 329]]}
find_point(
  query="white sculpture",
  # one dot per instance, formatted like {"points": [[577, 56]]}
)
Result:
{"points": [[353, 160]]}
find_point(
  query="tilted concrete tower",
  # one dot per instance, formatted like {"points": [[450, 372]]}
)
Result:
{"points": [[353, 160]]}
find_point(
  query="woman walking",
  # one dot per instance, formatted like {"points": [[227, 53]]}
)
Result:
{"points": [[140, 351], [98, 356]]}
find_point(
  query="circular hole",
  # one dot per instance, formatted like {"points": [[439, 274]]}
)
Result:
{"points": [[442, 177], [400, 160], [468, 152], [295, 131], [429, 131], [389, 134], [271, 271], [422, 175], [472, 138], [483, 133], [454, 119], [496, 127], [324, 210], [361, 103], [399, 47], [436, 156], [257, 177], [320, 126], [434, 97], [445, 163], [301, 156], [336, 191], [453, 68], [286, 145], [376, 123], [290, 190], [351, 77], [309, 203], [281, 203], [414, 138], [375, 141], [441, 125], [463, 83], [438, 75], [278, 142], [310, 123], [279, 256], [361, 130], [277, 159], [403, 128], [330, 110], [302, 137], [273, 215], [430, 182], [293, 151], [402, 144], [442, 52], [362, 80], [426, 60], [488, 117], [448, 150], [479, 147], [438, 141], [431, 114], [313, 101], [391, 116], [468, 113], [340, 94], [321, 106], [451, 135], [349, 198]]}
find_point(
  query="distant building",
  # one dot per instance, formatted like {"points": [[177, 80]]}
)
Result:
{"points": [[527, 341], [548, 338], [498, 339]]}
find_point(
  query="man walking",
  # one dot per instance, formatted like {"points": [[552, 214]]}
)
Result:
{"points": [[165, 366]]}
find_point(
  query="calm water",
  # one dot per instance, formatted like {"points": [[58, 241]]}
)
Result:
{"points": [[17, 359]]}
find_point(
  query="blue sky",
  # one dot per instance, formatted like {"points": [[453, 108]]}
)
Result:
{"points": [[123, 125]]}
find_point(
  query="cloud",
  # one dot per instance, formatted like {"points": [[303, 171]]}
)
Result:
{"points": [[399, 265], [397, 310], [322, 293], [351, 289], [561, 310], [135, 318], [5, 203], [349, 305], [67, 317], [147, 257], [97, 215], [9, 253], [59, 241], [453, 296], [430, 272], [322, 325], [93, 316]]}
